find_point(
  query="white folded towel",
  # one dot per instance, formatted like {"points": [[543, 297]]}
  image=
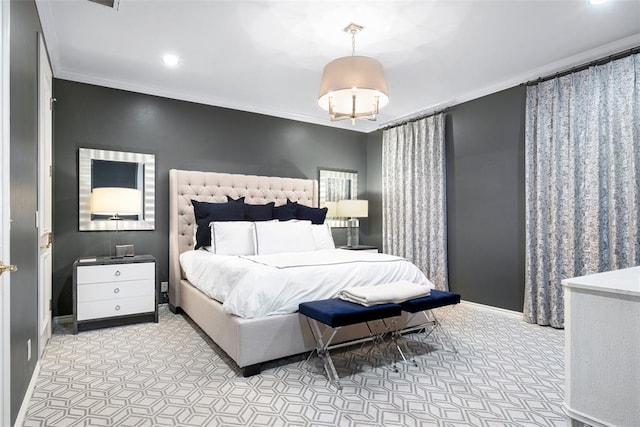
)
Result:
{"points": [[395, 292]]}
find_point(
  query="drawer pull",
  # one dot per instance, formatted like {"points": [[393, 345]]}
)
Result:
{"points": [[117, 272], [116, 290], [117, 307]]}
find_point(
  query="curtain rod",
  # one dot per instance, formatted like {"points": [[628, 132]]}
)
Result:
{"points": [[583, 67], [417, 117]]}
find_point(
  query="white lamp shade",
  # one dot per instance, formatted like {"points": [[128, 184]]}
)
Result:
{"points": [[332, 209], [349, 75], [353, 208], [115, 201]]}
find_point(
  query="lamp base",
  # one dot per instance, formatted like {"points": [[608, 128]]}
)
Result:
{"points": [[353, 232]]}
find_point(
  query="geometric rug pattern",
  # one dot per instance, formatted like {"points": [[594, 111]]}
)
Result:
{"points": [[506, 373]]}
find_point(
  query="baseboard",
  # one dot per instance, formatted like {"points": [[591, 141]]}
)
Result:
{"points": [[493, 309], [60, 320], [22, 413], [583, 418]]}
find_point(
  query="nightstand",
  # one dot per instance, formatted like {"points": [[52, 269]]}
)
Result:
{"points": [[360, 248], [114, 291]]}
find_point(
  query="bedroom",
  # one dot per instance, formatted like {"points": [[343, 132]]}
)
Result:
{"points": [[485, 164]]}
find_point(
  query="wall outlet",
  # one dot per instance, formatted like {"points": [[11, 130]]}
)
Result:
{"points": [[28, 349], [164, 286]]}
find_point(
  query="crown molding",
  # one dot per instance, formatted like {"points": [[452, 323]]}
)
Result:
{"points": [[63, 74]]}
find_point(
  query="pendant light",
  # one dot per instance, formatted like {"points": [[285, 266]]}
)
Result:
{"points": [[353, 87]]}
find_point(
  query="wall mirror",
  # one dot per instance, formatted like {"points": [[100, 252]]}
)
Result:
{"points": [[335, 185], [128, 176]]}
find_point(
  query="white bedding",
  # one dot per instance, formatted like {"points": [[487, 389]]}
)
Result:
{"points": [[266, 285]]}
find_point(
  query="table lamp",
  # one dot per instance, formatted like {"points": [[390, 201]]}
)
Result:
{"points": [[115, 201], [353, 209]]}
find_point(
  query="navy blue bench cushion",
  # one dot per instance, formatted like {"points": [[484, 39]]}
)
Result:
{"points": [[435, 299], [336, 312]]}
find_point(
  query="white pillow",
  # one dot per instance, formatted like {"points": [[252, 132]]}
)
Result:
{"points": [[233, 237], [322, 236], [284, 236]]}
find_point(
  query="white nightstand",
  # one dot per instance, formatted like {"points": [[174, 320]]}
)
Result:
{"points": [[114, 291], [364, 248]]}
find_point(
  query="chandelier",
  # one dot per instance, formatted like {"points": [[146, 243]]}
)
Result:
{"points": [[353, 87]]}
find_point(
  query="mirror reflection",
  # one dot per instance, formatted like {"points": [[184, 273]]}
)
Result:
{"points": [[116, 199], [335, 185], [116, 190]]}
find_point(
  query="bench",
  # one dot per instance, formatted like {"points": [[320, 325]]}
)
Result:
{"points": [[424, 306], [435, 299], [336, 313]]}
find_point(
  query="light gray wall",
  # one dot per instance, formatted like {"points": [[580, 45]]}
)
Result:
{"points": [[182, 135], [25, 26], [485, 197]]}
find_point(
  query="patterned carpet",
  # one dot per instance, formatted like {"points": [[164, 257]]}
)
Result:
{"points": [[506, 373]]}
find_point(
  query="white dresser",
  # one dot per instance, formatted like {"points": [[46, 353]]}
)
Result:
{"points": [[114, 291], [602, 349]]}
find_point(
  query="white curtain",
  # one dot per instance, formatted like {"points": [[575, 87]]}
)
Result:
{"points": [[414, 222], [582, 181]]}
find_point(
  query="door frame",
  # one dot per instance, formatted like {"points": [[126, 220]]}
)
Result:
{"points": [[45, 152], [5, 224]]}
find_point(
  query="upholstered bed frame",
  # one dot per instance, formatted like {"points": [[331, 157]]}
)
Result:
{"points": [[249, 342]]}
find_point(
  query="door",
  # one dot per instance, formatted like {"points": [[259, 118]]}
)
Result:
{"points": [[5, 315], [45, 105]]}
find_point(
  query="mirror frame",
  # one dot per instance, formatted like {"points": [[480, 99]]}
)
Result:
{"points": [[85, 157], [346, 174]]}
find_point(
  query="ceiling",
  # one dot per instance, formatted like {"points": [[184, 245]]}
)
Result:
{"points": [[267, 56]]}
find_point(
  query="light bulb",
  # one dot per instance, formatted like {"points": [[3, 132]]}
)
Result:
{"points": [[170, 60]]}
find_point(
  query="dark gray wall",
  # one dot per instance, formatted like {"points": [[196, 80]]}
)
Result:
{"points": [[374, 188], [24, 242], [182, 135], [485, 198]]}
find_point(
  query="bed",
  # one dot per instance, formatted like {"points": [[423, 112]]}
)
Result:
{"points": [[249, 342]]}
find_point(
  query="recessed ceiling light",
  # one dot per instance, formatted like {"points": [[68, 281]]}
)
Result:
{"points": [[596, 2], [170, 60]]}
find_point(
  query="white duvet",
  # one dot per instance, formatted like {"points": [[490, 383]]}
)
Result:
{"points": [[266, 285]]}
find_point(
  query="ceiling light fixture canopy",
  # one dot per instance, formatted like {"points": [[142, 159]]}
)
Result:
{"points": [[353, 87]]}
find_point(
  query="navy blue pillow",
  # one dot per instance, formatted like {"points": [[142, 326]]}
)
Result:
{"points": [[315, 215], [259, 212], [285, 212], [208, 212], [238, 200]]}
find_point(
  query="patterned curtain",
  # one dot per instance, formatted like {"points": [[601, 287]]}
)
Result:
{"points": [[582, 181], [414, 222]]}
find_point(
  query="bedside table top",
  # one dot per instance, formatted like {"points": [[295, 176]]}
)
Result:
{"points": [[113, 260], [358, 248]]}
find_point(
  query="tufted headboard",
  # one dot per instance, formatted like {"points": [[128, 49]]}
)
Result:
{"points": [[215, 187]]}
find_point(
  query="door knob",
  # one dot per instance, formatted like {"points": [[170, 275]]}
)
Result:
{"points": [[8, 268], [49, 240]]}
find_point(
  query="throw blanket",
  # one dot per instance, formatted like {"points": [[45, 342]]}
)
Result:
{"points": [[395, 292]]}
